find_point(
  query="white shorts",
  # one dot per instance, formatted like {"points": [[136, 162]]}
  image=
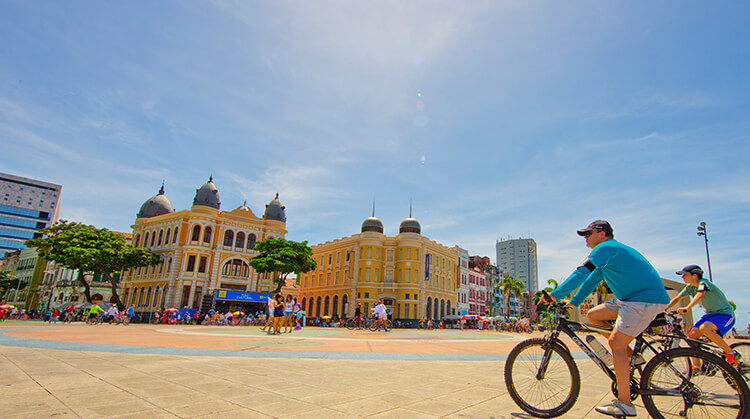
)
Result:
{"points": [[633, 318], [383, 316]]}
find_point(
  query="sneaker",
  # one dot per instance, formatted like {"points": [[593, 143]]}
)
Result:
{"points": [[616, 408], [733, 358]]}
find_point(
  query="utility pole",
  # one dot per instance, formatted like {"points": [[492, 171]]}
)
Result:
{"points": [[702, 232]]}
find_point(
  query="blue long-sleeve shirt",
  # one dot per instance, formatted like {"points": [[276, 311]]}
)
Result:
{"points": [[627, 273]]}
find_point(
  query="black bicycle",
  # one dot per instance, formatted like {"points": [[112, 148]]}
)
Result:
{"points": [[543, 379]]}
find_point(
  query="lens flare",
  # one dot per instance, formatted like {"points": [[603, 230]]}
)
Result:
{"points": [[420, 106], [422, 159]]}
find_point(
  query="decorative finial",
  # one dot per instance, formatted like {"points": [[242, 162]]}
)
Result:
{"points": [[211, 178], [373, 208], [409, 207], [161, 191], [277, 195], [244, 204]]}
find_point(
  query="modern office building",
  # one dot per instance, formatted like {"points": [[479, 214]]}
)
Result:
{"points": [[203, 250], [412, 275], [26, 206], [517, 257]]}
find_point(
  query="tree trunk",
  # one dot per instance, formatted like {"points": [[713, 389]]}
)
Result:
{"points": [[113, 284], [282, 281], [86, 287]]}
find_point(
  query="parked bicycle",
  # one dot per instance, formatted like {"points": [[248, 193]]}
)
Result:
{"points": [[357, 323], [543, 379]]}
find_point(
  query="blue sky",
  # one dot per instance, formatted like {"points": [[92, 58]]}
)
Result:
{"points": [[535, 118]]}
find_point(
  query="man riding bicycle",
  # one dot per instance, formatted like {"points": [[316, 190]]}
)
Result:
{"points": [[381, 312], [639, 297], [719, 317]]}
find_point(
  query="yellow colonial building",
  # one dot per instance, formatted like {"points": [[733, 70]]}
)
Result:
{"points": [[413, 275], [203, 249]]}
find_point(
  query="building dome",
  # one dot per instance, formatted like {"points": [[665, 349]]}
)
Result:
{"points": [[275, 210], [207, 195], [372, 224], [156, 205], [410, 225]]}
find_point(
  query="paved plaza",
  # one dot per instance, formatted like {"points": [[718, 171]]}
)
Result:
{"points": [[149, 371]]}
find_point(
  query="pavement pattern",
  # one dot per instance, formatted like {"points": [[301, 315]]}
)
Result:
{"points": [[147, 371]]}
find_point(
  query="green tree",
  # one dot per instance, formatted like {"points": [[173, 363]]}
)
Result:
{"points": [[91, 249], [507, 286], [552, 282], [7, 283], [283, 257]]}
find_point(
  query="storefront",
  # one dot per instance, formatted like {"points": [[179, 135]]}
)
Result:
{"points": [[248, 302]]}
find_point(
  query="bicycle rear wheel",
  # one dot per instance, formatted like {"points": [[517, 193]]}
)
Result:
{"points": [[670, 389], [542, 378], [388, 325]]}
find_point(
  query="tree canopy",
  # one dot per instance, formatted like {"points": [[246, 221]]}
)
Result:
{"points": [[283, 256], [507, 286], [91, 249], [8, 282]]}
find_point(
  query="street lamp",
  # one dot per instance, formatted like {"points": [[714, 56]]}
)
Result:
{"points": [[702, 232]]}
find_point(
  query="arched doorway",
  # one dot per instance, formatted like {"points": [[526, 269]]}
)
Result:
{"points": [[344, 306], [326, 305], [317, 307], [429, 308], [335, 309]]}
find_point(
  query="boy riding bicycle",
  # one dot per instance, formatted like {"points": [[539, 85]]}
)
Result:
{"points": [[719, 317], [639, 297]]}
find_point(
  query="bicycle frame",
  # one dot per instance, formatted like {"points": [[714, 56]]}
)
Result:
{"points": [[569, 328]]}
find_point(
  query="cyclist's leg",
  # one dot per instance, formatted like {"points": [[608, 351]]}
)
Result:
{"points": [[601, 316], [619, 343]]}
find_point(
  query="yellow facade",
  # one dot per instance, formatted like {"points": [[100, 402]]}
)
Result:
{"points": [[202, 250], [370, 266]]}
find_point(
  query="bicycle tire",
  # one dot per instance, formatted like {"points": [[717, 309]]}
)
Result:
{"points": [[709, 393], [388, 325], [351, 324], [744, 350], [532, 394]]}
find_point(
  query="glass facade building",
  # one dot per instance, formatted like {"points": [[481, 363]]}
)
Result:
{"points": [[26, 206]]}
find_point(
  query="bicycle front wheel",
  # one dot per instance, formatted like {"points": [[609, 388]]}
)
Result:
{"points": [[542, 378], [351, 324], [669, 388], [388, 325]]}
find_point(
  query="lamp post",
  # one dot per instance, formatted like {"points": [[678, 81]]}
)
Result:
{"points": [[702, 232]]}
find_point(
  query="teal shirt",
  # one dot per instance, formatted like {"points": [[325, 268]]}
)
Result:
{"points": [[627, 273], [713, 302]]}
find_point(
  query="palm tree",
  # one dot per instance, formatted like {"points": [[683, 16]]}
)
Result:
{"points": [[508, 286], [552, 282]]}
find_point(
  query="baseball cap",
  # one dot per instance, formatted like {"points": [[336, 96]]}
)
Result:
{"points": [[597, 225], [691, 269]]}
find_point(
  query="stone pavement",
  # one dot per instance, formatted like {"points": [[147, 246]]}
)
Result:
{"points": [[195, 371]]}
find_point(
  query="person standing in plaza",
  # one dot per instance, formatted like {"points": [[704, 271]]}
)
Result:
{"points": [[719, 317], [278, 313], [288, 311], [639, 296], [269, 318]]}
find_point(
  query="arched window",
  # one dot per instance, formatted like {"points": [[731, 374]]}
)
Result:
{"points": [[251, 241], [302, 303], [310, 309], [167, 236], [169, 265], [317, 307], [207, 235], [325, 306], [335, 308], [148, 297], [137, 240], [145, 240], [156, 295], [140, 296], [153, 238], [442, 308], [448, 307], [174, 237], [161, 236], [228, 238], [240, 242], [164, 295], [236, 267], [196, 233]]}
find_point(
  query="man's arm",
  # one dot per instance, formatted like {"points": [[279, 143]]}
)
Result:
{"points": [[579, 276]]}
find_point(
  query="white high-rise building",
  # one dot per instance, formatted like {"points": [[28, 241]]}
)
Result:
{"points": [[517, 257]]}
